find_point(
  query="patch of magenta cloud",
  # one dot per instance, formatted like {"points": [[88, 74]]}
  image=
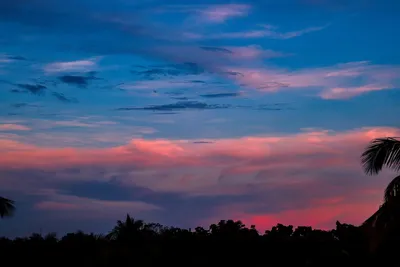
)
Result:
{"points": [[316, 202], [321, 216], [224, 166]]}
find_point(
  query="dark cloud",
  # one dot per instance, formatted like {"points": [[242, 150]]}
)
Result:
{"points": [[275, 106], [63, 98], [216, 49], [158, 72], [202, 142], [220, 95], [78, 80], [197, 81], [17, 91], [16, 58], [180, 105], [155, 71], [196, 105], [36, 89], [181, 98], [233, 73], [165, 113], [269, 85], [23, 105], [13, 58]]}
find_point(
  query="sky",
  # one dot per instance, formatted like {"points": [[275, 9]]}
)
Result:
{"points": [[189, 112]]}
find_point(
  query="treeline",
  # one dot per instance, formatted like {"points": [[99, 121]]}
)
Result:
{"points": [[227, 243]]}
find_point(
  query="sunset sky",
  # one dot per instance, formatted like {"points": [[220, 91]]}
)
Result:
{"points": [[188, 112]]}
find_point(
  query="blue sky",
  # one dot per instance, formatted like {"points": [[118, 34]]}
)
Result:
{"points": [[185, 112]]}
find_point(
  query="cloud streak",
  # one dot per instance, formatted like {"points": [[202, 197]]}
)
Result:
{"points": [[89, 208], [85, 65], [13, 127], [341, 81], [213, 13], [221, 13], [265, 31]]}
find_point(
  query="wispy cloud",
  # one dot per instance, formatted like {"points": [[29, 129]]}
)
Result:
{"points": [[36, 89], [180, 105], [188, 81], [221, 13], [245, 52], [213, 13], [61, 97], [340, 81], [6, 58], [220, 95], [13, 127], [196, 105], [90, 208], [265, 31], [196, 60], [85, 65]]}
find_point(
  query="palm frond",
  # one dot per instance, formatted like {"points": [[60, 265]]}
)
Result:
{"points": [[7, 207], [379, 153], [392, 191]]}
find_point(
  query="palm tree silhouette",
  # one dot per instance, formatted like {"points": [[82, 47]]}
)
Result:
{"points": [[128, 230], [384, 152], [381, 152], [7, 207]]}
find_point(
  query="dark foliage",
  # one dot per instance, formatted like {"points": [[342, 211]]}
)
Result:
{"points": [[379, 153], [228, 243], [7, 207]]}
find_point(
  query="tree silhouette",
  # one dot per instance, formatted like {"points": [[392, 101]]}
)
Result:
{"points": [[383, 152], [7, 207], [228, 242], [128, 230]]}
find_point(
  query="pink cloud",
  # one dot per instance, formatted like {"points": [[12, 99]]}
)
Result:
{"points": [[221, 13], [217, 13], [348, 92], [162, 165], [253, 52], [7, 145], [13, 127], [319, 211], [322, 217], [83, 65], [338, 81], [314, 176]]}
